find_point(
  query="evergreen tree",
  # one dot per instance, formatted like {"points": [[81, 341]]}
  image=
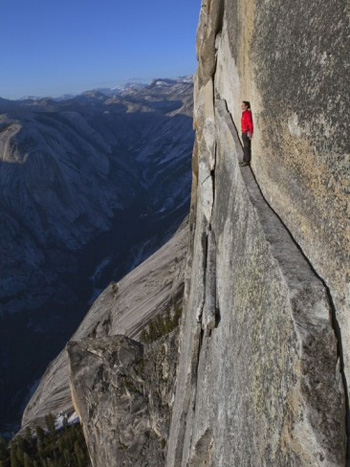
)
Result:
{"points": [[14, 459], [21, 448], [27, 461], [40, 435], [50, 423], [152, 331], [66, 454], [62, 448], [65, 423], [4, 454], [78, 454], [29, 436]]}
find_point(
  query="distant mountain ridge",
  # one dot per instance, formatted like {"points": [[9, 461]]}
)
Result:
{"points": [[89, 187], [134, 84]]}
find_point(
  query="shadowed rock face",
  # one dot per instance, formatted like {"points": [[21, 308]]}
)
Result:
{"points": [[89, 188]]}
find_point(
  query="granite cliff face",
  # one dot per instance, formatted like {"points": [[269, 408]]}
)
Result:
{"points": [[260, 377], [292, 68], [258, 381], [89, 188]]}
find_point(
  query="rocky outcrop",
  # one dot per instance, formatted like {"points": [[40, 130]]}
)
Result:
{"points": [[123, 392], [123, 308]]}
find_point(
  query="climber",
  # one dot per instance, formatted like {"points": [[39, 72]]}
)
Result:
{"points": [[247, 132]]}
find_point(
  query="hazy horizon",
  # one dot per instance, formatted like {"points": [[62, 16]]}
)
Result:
{"points": [[107, 85]]}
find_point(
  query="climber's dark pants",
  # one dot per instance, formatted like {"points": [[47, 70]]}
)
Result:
{"points": [[246, 148]]}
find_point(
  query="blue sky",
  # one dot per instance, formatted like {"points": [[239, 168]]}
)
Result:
{"points": [[52, 47]]}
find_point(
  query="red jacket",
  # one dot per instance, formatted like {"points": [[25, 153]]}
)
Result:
{"points": [[247, 121]]}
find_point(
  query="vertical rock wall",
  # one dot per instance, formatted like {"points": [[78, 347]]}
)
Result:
{"points": [[259, 380], [290, 60]]}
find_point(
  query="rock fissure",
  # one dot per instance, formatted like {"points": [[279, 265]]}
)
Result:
{"points": [[204, 250], [201, 337], [209, 308], [340, 350], [206, 178], [220, 17]]}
